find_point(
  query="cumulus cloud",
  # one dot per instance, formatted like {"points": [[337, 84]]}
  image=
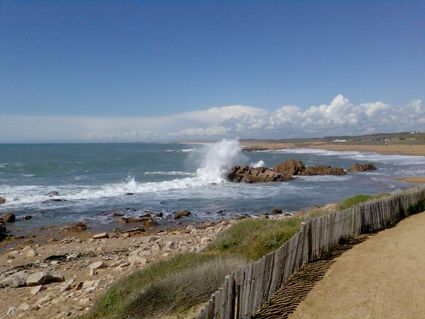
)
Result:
{"points": [[338, 117]]}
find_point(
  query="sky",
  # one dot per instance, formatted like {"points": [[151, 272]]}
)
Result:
{"points": [[175, 70]]}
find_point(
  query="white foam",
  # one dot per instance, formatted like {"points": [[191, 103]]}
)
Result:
{"points": [[218, 158], [171, 173], [325, 178], [361, 156], [260, 163]]}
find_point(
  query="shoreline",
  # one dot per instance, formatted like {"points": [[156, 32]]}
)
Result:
{"points": [[389, 149]]}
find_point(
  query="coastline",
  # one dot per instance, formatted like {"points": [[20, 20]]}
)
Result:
{"points": [[389, 149]]}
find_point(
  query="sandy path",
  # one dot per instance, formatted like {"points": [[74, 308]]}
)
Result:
{"points": [[383, 277]]}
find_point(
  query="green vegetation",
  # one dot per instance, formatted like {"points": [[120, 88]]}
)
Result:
{"points": [[166, 286], [357, 199], [253, 238], [185, 280], [178, 283]]}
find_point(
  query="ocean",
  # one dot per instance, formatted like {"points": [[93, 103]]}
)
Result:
{"points": [[95, 180]]}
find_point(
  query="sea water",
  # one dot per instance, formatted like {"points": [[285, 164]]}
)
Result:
{"points": [[94, 180]]}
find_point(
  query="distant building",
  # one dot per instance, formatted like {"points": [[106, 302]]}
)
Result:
{"points": [[339, 141]]}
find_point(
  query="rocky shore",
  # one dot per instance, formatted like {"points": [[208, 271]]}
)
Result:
{"points": [[285, 171], [61, 279]]}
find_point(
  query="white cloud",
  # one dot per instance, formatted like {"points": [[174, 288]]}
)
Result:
{"points": [[340, 116]]}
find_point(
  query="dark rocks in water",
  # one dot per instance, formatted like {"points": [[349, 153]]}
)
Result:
{"points": [[131, 209], [297, 167], [358, 167], [3, 232], [291, 167], [28, 217], [129, 194], [58, 200], [117, 214], [2, 200], [52, 194], [181, 213], [246, 174], [276, 211], [127, 220], [9, 218], [78, 227], [148, 221], [322, 170]]}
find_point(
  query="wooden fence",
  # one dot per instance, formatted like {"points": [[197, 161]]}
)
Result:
{"points": [[246, 289]]}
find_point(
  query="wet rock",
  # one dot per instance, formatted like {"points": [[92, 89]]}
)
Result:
{"points": [[2, 200], [3, 232], [44, 278], [276, 211], [358, 167], [181, 213], [58, 200], [291, 167], [148, 221], [129, 194], [28, 217], [9, 218], [18, 279], [246, 174], [322, 170], [117, 214], [100, 236], [78, 227]]}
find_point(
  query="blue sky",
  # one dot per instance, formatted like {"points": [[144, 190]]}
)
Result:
{"points": [[90, 62]]}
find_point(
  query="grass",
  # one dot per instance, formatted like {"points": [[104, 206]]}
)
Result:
{"points": [[253, 238], [178, 283], [166, 286], [357, 199]]}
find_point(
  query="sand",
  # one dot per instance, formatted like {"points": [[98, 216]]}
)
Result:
{"points": [[403, 149], [383, 277], [418, 180]]}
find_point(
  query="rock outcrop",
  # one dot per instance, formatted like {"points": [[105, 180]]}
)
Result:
{"points": [[246, 174], [358, 167], [322, 170], [181, 213], [297, 167], [9, 218], [291, 167], [2, 200]]}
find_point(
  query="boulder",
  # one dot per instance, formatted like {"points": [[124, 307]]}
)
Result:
{"points": [[16, 280], [44, 278], [97, 265], [291, 167], [181, 213], [358, 167], [2, 200], [77, 227], [100, 236], [322, 170], [246, 174], [9, 218], [148, 221], [3, 232], [276, 211]]}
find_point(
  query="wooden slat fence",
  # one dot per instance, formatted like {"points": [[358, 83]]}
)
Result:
{"points": [[246, 289]]}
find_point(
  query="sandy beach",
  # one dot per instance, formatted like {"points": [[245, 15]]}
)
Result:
{"points": [[383, 277], [393, 149]]}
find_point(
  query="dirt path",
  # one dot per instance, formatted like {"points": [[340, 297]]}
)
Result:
{"points": [[383, 277]]}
